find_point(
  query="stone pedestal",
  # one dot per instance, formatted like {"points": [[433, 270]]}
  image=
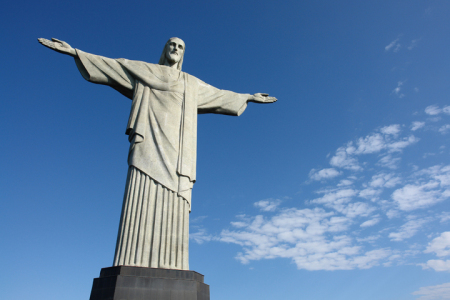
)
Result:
{"points": [[138, 283]]}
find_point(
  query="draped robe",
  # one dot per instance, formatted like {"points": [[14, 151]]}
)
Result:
{"points": [[162, 130]]}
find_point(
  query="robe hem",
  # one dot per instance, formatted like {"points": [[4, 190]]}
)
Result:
{"points": [[177, 192]]}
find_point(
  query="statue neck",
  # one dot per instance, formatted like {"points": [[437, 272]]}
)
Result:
{"points": [[170, 64]]}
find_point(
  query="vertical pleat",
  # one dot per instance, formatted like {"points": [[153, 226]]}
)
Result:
{"points": [[134, 197], [136, 221], [149, 223], [174, 241], [142, 223], [124, 219], [168, 239], [164, 226], [156, 239], [179, 235], [154, 225], [185, 237]]}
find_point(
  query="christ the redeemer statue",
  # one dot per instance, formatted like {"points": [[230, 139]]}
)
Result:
{"points": [[162, 130]]}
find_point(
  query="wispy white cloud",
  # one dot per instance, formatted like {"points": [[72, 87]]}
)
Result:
{"points": [[437, 265], [433, 110], [435, 119], [397, 146], [323, 174], [244, 219], [337, 196], [303, 236], [201, 236], [407, 230], [435, 292], [417, 125], [440, 245], [397, 90], [386, 139], [444, 129], [414, 44], [414, 196], [369, 239], [440, 173], [389, 161], [340, 200], [198, 219], [267, 204], [446, 109], [385, 142], [370, 193], [355, 209], [345, 182], [394, 129], [384, 180], [444, 216], [370, 222], [395, 45], [370, 144], [430, 186], [392, 213], [343, 159]]}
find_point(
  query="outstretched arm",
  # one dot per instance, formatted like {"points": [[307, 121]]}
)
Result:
{"points": [[213, 100], [95, 68], [261, 98], [58, 46]]}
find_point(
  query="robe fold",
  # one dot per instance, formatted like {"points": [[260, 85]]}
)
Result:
{"points": [[162, 126]]}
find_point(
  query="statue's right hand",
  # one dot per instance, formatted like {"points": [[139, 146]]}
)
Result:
{"points": [[58, 46]]}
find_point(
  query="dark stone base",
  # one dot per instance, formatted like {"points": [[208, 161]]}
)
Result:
{"points": [[137, 283]]}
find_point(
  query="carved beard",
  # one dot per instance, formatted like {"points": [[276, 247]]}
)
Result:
{"points": [[170, 60]]}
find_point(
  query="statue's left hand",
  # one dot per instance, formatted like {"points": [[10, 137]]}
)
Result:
{"points": [[262, 98], [58, 46]]}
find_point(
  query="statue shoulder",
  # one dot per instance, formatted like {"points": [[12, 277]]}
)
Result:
{"points": [[140, 68], [194, 79], [125, 61]]}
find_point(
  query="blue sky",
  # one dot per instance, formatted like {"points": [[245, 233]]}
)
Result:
{"points": [[340, 190]]}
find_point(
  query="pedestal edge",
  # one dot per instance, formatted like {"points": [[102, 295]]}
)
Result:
{"points": [[152, 273]]}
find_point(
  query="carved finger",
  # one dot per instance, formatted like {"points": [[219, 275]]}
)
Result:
{"points": [[46, 43]]}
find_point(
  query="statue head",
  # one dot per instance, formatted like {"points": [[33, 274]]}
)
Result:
{"points": [[173, 53]]}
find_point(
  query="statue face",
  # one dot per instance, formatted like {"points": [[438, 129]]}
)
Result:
{"points": [[175, 50]]}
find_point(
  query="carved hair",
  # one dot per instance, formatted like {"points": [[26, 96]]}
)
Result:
{"points": [[162, 60]]}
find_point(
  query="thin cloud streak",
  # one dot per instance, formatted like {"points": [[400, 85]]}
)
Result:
{"points": [[268, 204], [435, 292], [323, 174], [393, 45], [407, 230], [417, 125]]}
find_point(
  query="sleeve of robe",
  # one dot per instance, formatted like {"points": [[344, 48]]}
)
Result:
{"points": [[215, 101], [106, 71]]}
